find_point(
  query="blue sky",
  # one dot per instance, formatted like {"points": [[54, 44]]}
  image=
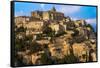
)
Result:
{"points": [[74, 12]]}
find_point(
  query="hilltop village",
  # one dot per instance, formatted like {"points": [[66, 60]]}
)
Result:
{"points": [[49, 37]]}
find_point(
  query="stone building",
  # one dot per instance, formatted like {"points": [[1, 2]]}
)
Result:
{"points": [[21, 20], [81, 51], [59, 49], [35, 25], [36, 15], [80, 23], [48, 15], [35, 58], [54, 27]]}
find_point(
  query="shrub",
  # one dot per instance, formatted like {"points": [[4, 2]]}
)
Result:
{"points": [[45, 59], [88, 25], [76, 32], [35, 47], [70, 59]]}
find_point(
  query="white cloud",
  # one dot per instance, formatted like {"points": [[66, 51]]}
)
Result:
{"points": [[20, 13], [69, 9], [74, 18], [91, 21], [42, 6]]}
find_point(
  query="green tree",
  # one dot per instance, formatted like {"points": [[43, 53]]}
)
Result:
{"points": [[19, 44], [88, 25], [76, 32], [35, 47], [48, 31], [45, 59], [70, 59], [20, 29]]}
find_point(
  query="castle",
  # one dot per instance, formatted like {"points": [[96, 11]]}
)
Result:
{"points": [[48, 15]]}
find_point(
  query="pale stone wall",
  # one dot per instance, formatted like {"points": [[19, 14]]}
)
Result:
{"points": [[37, 25], [79, 23], [21, 19], [54, 27], [46, 16], [36, 56], [81, 51], [59, 50], [37, 14], [94, 56]]}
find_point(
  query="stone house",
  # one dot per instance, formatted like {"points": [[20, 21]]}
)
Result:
{"points": [[80, 23], [59, 49], [35, 25]]}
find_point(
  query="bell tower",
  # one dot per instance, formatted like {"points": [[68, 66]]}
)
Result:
{"points": [[53, 9]]}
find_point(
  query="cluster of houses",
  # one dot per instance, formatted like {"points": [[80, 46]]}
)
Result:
{"points": [[64, 40]]}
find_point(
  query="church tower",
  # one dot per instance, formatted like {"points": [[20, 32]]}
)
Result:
{"points": [[53, 9]]}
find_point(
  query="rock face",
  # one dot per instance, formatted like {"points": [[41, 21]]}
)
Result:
{"points": [[50, 38]]}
